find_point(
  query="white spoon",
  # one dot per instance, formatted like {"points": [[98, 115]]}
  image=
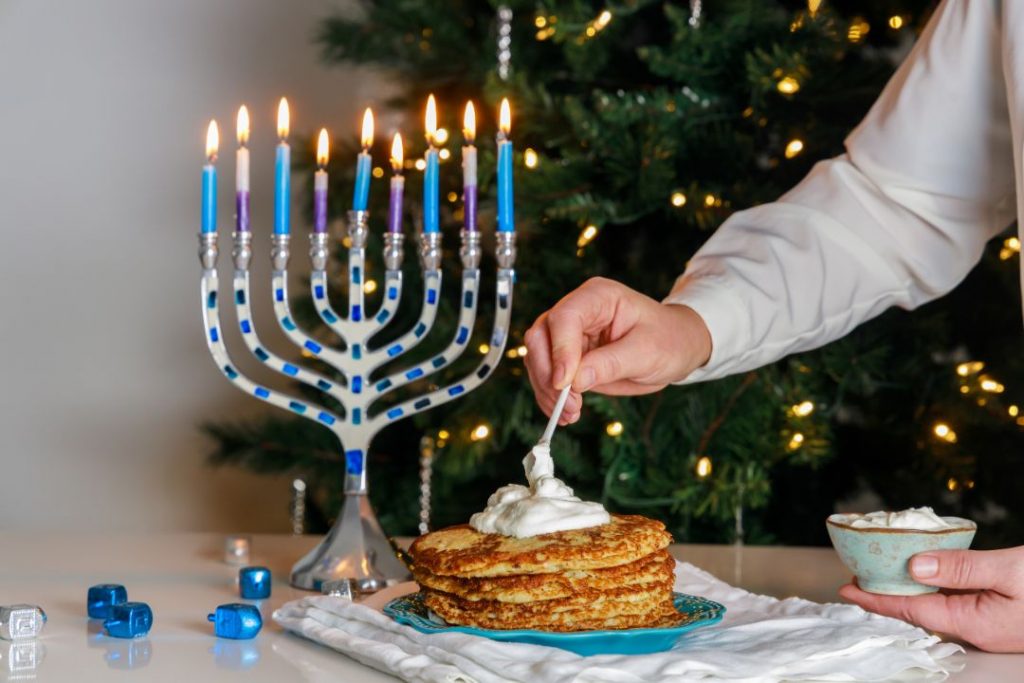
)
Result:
{"points": [[556, 413]]}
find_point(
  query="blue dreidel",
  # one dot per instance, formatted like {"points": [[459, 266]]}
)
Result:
{"points": [[254, 583], [129, 620], [237, 621], [102, 598]]}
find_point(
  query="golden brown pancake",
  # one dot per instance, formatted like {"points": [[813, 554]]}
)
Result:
{"points": [[651, 609], [654, 569], [461, 551]]}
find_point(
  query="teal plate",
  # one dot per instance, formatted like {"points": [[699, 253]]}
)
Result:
{"points": [[410, 610]]}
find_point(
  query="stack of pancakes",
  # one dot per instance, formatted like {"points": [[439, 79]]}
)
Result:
{"points": [[614, 576]]}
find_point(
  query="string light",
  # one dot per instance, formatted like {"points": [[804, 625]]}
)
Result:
{"points": [[788, 85], [588, 234], [614, 428], [1011, 246], [794, 147], [530, 158], [370, 286], [599, 23], [540, 22], [440, 136], [1013, 411], [522, 350], [420, 164], [709, 200], [378, 172], [445, 154], [443, 434], [970, 368], [512, 353], [678, 199], [968, 483], [795, 442], [704, 467], [452, 196], [944, 432], [858, 29], [896, 22], [803, 409], [480, 432], [990, 385], [952, 484], [546, 33], [483, 348]]}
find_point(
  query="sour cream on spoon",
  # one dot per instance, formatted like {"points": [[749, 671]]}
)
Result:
{"points": [[545, 506]]}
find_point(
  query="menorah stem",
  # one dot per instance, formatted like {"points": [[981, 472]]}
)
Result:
{"points": [[209, 289], [357, 232], [242, 255], [280, 254]]}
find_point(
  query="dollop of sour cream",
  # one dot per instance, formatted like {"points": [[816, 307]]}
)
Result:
{"points": [[921, 519], [545, 506]]}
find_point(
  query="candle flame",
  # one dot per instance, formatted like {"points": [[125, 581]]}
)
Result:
{"points": [[283, 119], [431, 119], [397, 155], [367, 138], [242, 127], [469, 123], [212, 140], [322, 148], [505, 119]]}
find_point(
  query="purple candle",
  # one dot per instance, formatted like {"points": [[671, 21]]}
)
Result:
{"points": [[242, 172], [320, 184], [397, 186], [469, 168]]}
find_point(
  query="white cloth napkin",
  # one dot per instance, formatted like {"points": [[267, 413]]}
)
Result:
{"points": [[761, 639]]}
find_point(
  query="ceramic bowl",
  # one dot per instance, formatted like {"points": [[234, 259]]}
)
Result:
{"points": [[879, 557]]}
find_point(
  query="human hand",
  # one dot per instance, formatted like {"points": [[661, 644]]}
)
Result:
{"points": [[608, 338], [985, 603]]}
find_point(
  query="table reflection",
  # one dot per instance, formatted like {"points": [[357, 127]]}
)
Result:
{"points": [[235, 654], [119, 653], [21, 660]]}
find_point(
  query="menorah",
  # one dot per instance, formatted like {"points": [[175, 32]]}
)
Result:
{"points": [[356, 547]]}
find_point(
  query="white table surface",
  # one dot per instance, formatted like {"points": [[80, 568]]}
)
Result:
{"points": [[183, 578]]}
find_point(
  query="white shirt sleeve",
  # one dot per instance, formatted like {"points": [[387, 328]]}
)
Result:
{"points": [[898, 220]]}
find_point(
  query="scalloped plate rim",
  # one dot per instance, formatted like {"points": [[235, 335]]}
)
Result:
{"points": [[713, 610]]}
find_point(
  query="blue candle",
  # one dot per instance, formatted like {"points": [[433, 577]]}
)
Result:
{"points": [[209, 201], [431, 189], [282, 174], [431, 218], [506, 222], [361, 193]]}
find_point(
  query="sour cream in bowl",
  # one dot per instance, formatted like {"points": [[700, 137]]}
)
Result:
{"points": [[877, 546]]}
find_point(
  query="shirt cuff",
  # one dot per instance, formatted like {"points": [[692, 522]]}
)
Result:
{"points": [[726, 318]]}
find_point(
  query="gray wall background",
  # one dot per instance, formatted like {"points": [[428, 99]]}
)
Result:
{"points": [[103, 113]]}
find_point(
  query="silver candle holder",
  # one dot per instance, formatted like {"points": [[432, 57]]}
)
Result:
{"points": [[356, 548]]}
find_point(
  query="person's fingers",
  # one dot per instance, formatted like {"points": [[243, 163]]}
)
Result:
{"points": [[625, 359], [935, 611], [587, 309], [998, 570]]}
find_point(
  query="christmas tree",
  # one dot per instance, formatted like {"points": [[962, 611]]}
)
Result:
{"points": [[640, 126]]}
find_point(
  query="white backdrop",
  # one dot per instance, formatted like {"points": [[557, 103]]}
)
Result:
{"points": [[103, 112]]}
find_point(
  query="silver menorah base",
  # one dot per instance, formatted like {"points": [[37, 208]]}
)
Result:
{"points": [[356, 548]]}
